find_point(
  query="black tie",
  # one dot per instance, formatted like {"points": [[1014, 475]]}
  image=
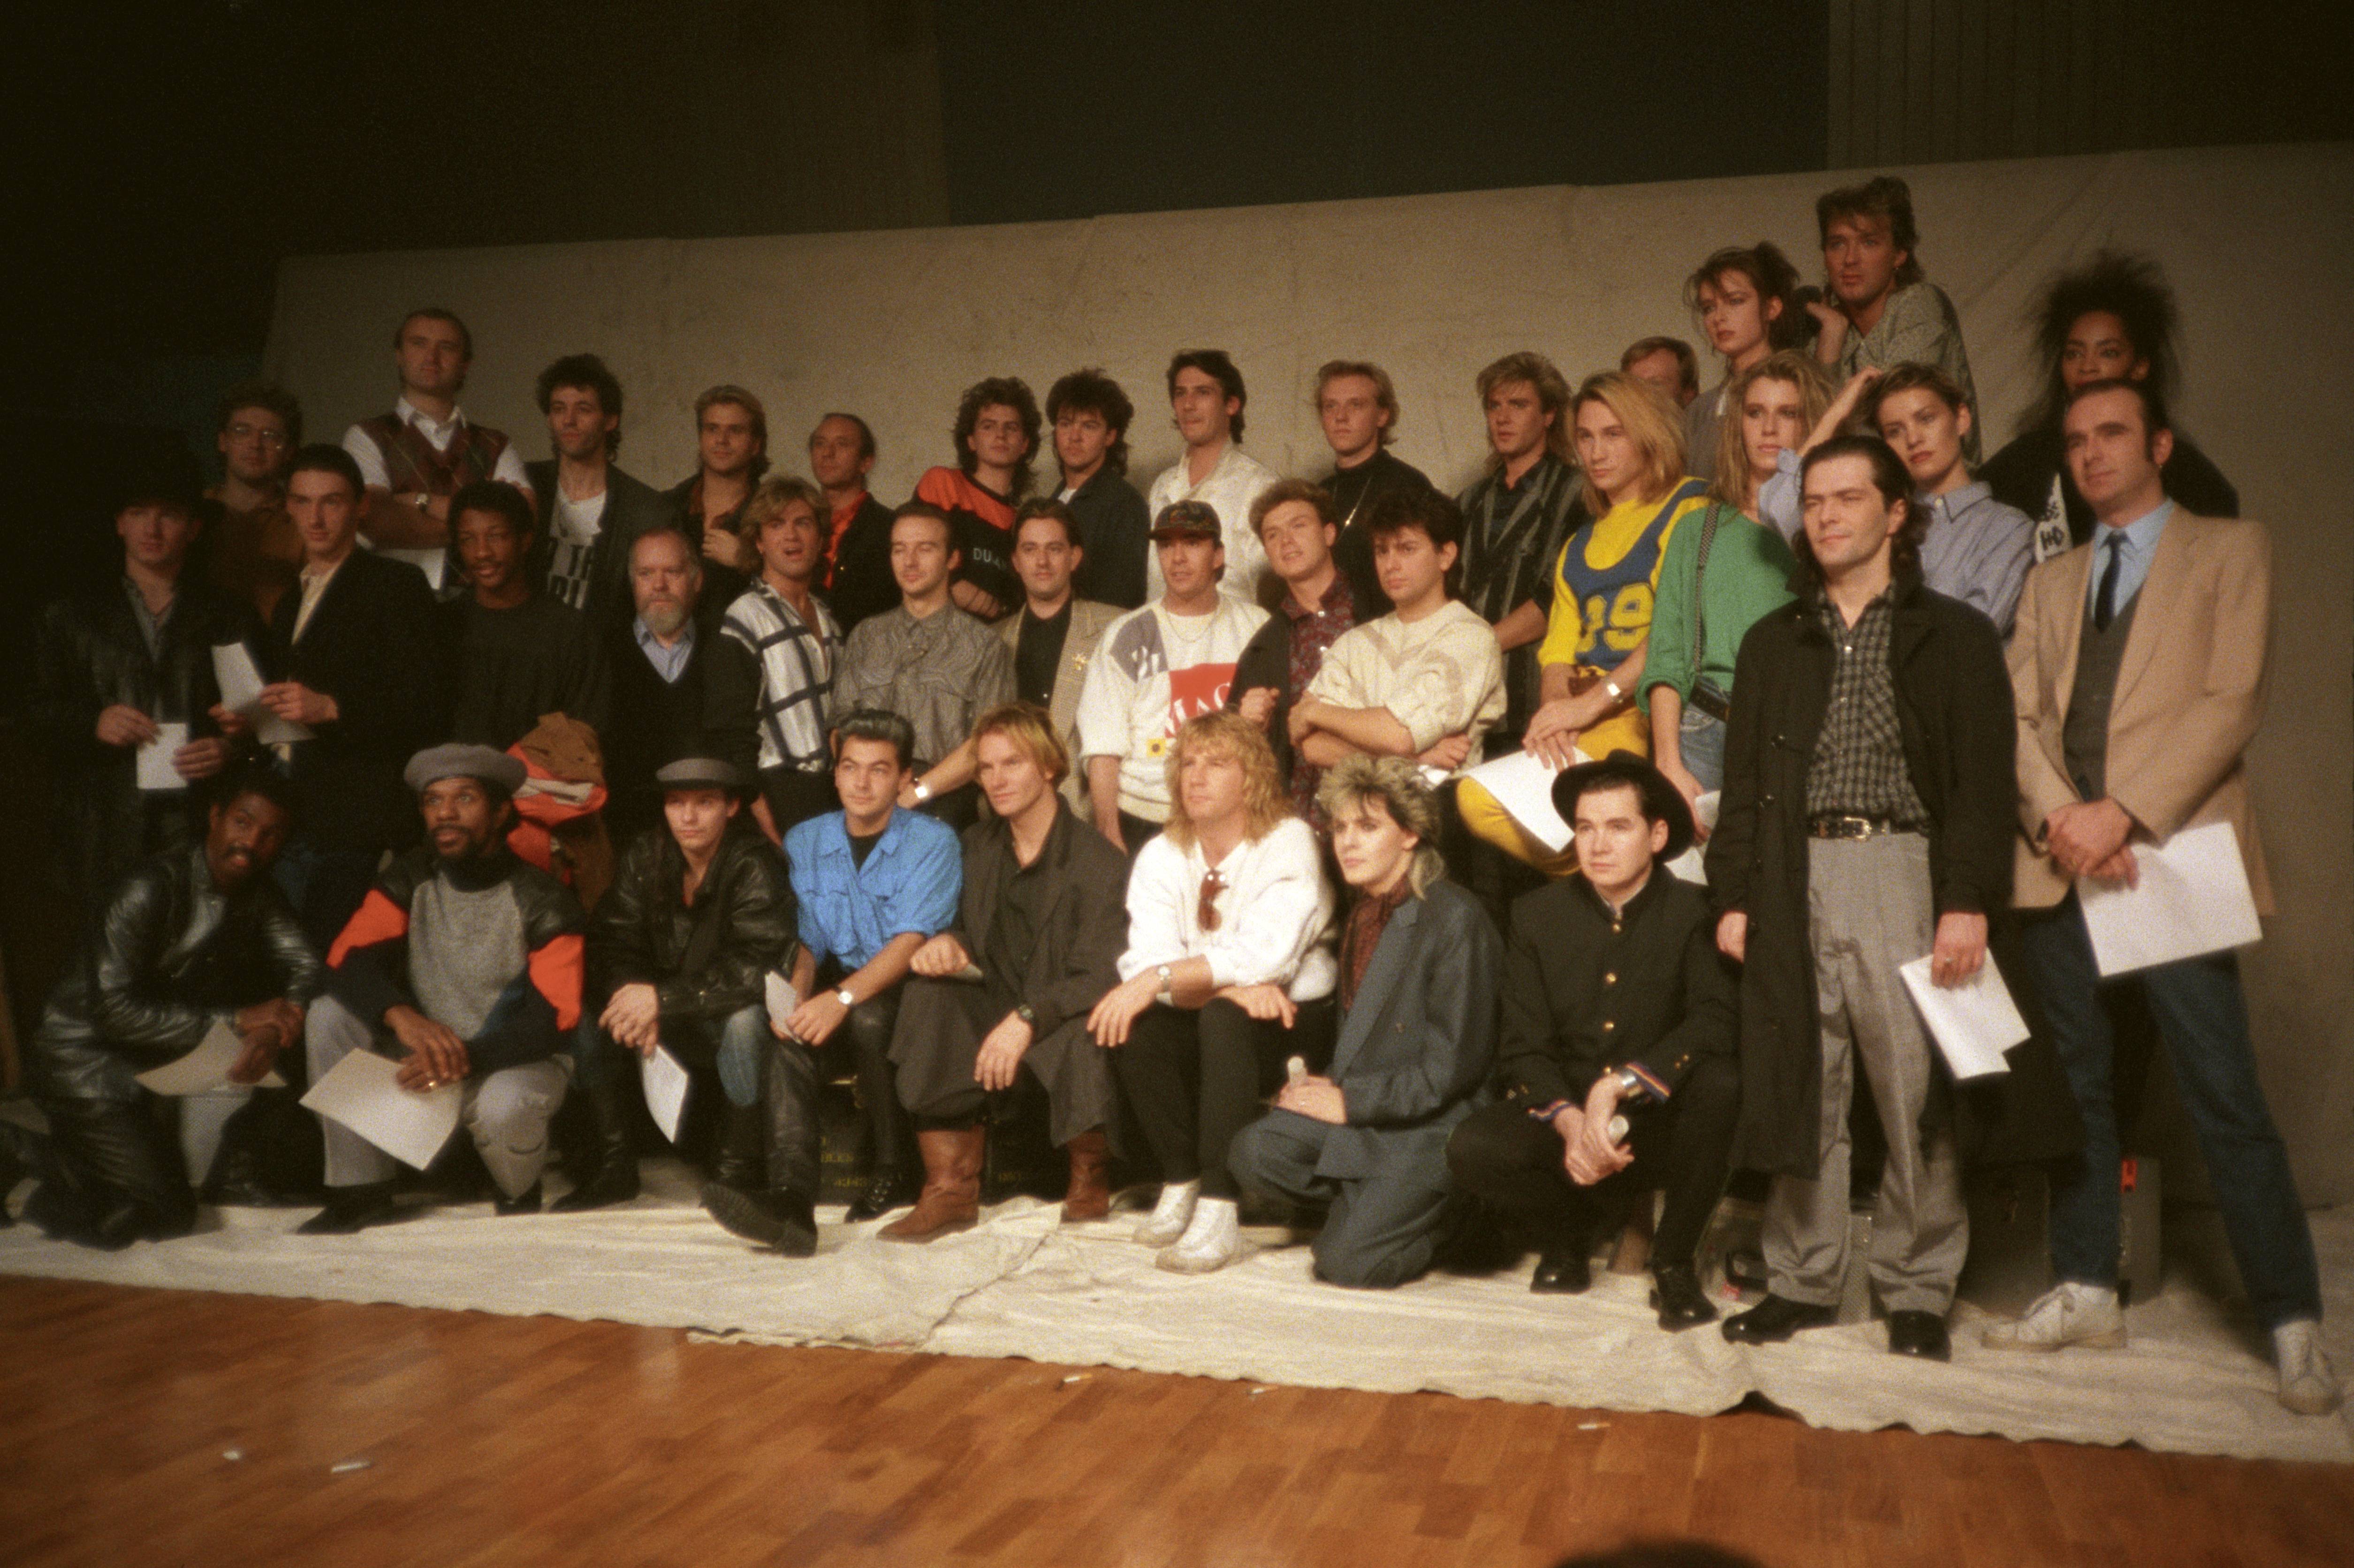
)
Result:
{"points": [[2105, 607]]}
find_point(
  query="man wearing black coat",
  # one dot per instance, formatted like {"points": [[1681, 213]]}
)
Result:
{"points": [[1618, 1059], [654, 663], [679, 950], [1418, 970], [1869, 806], [359, 668], [115, 667]]}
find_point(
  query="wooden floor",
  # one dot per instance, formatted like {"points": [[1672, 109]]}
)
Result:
{"points": [[512, 1440]]}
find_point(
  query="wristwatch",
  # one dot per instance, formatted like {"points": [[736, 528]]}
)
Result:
{"points": [[1167, 979], [424, 501], [843, 997], [923, 792], [1631, 1085], [1611, 686], [1025, 1013]]}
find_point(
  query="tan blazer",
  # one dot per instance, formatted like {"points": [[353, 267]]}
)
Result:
{"points": [[1088, 619], [2190, 692]]}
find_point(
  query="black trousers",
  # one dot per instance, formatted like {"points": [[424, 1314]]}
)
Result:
{"points": [[112, 1173], [1196, 1077], [891, 1133], [1508, 1158], [794, 796], [790, 1086]]}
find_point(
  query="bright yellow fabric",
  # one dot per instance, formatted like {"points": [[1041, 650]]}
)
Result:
{"points": [[1489, 822], [1575, 631]]}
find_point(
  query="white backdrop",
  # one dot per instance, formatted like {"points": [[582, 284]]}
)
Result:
{"points": [[894, 324]]}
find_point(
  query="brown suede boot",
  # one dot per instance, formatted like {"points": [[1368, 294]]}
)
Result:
{"points": [[1089, 1194], [950, 1200]]}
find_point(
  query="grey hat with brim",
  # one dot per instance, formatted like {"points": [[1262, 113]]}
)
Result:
{"points": [[701, 773], [435, 763]]}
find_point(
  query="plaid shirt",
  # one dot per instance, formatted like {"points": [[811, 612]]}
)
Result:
{"points": [[797, 659], [1313, 632], [1859, 767]]}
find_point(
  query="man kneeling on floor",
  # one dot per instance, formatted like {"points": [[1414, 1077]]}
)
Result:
{"points": [[463, 964], [192, 938], [1042, 919], [1418, 970], [681, 947], [1617, 1047]]}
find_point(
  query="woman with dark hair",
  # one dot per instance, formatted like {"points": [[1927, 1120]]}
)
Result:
{"points": [[996, 434], [1748, 302], [2112, 319]]}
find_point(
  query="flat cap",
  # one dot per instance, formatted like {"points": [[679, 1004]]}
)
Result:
{"points": [[436, 763], [700, 773]]}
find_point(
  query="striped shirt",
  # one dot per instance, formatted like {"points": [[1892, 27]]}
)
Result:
{"points": [[796, 659]]}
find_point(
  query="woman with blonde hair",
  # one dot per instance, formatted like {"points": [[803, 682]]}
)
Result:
{"points": [[1724, 570], [1229, 973], [1630, 446]]}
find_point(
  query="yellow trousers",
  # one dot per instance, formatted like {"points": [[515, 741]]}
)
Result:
{"points": [[1487, 821]]}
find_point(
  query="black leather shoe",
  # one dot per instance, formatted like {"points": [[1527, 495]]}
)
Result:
{"points": [[1564, 1273], [1921, 1334], [1774, 1319], [886, 1191], [351, 1210], [1681, 1302], [616, 1182], [784, 1221], [525, 1203]]}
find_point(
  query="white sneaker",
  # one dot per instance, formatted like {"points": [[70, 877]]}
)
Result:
{"points": [[1213, 1240], [2307, 1385], [1170, 1215], [2067, 1314]]}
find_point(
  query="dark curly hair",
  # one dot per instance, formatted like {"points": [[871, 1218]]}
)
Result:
{"points": [[1092, 392], [1895, 482], [998, 392], [2129, 287], [584, 371]]}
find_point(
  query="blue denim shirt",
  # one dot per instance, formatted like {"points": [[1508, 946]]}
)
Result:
{"points": [[849, 912]]}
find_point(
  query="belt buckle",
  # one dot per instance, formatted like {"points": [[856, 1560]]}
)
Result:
{"points": [[1844, 825]]}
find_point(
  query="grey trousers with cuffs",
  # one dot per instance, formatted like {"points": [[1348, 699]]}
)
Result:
{"points": [[1870, 910]]}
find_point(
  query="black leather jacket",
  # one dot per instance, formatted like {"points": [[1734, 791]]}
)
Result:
{"points": [[704, 962], [93, 657], [167, 957]]}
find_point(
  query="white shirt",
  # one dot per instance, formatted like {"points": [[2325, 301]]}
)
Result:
{"points": [[437, 433], [1151, 672], [572, 536], [1275, 912], [1438, 677], [1230, 489]]}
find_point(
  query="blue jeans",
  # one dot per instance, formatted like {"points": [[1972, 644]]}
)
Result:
{"points": [[1701, 737], [2203, 1020], [734, 1056]]}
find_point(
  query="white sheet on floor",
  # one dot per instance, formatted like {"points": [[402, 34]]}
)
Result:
{"points": [[2194, 1379]]}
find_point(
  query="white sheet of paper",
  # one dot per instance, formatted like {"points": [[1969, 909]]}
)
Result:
{"points": [[1973, 1023], [432, 562], [204, 1069], [1689, 866], [2193, 900], [360, 1091], [1522, 784], [664, 1082], [782, 999], [156, 769], [240, 690]]}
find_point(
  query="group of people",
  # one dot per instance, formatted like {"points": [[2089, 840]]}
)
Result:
{"points": [[1156, 807]]}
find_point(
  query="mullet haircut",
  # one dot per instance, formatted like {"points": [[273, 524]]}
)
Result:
{"points": [[1552, 387], [1266, 803], [1895, 482], [1396, 782], [1886, 199], [997, 392], [1091, 391]]}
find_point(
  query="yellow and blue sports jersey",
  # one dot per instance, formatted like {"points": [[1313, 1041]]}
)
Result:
{"points": [[1607, 576]]}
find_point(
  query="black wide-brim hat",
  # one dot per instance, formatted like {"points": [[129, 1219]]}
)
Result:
{"points": [[1662, 801]]}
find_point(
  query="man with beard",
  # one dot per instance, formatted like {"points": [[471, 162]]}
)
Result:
{"points": [[464, 965], [655, 665], [193, 938]]}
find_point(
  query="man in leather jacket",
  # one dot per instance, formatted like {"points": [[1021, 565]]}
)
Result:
{"points": [[191, 940], [115, 667], [680, 949]]}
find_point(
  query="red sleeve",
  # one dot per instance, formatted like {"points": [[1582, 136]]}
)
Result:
{"points": [[939, 487], [377, 919], [556, 971]]}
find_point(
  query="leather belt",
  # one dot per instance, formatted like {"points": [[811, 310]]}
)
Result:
{"points": [[1833, 825], [1711, 702]]}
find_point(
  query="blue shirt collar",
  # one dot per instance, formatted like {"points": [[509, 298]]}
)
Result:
{"points": [[2141, 534]]}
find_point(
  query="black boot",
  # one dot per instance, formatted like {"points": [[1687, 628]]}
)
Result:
{"points": [[351, 1210], [742, 1136], [616, 1177], [784, 1220], [526, 1202], [1682, 1303], [891, 1187]]}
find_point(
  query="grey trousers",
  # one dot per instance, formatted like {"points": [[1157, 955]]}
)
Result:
{"points": [[1382, 1229], [1870, 910], [507, 1112]]}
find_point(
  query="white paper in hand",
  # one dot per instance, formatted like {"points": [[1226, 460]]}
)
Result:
{"points": [[2192, 900], [1973, 1023], [205, 1069], [782, 999], [240, 690], [1690, 866], [361, 1093], [1522, 784], [155, 770], [664, 1082]]}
